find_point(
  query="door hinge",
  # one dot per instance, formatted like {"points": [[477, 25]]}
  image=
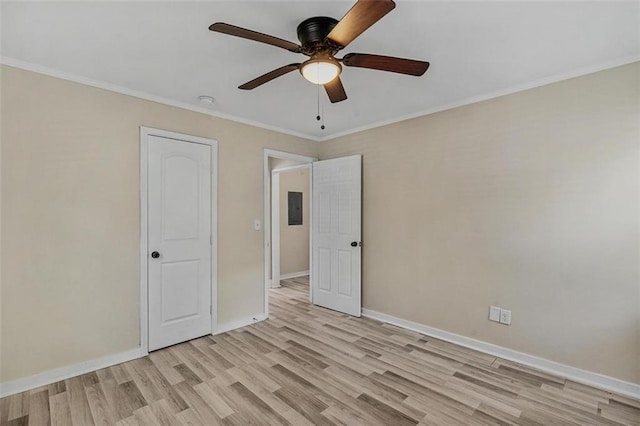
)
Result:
{"points": [[210, 239], [211, 309]]}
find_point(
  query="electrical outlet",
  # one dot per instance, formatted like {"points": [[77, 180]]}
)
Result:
{"points": [[494, 313], [505, 316]]}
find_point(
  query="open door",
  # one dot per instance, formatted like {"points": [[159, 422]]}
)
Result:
{"points": [[336, 234]]}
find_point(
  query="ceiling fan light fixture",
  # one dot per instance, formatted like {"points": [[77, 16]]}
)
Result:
{"points": [[320, 70]]}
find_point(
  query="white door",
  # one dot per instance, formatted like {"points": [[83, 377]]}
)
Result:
{"points": [[179, 241], [336, 234]]}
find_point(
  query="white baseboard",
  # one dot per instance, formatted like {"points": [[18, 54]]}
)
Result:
{"points": [[52, 376], [572, 373], [294, 275], [228, 326]]}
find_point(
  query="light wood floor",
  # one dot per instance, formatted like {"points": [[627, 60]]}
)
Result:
{"points": [[308, 365]]}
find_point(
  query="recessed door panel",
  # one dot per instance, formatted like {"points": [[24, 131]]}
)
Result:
{"points": [[180, 197], [180, 291], [344, 211], [324, 216], [324, 269], [344, 272]]}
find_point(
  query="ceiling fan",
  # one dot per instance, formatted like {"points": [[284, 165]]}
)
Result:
{"points": [[321, 38]]}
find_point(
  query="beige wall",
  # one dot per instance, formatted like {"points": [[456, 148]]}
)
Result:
{"points": [[70, 191], [294, 239], [528, 201]]}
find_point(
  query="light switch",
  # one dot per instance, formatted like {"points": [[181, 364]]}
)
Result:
{"points": [[257, 225], [494, 313]]}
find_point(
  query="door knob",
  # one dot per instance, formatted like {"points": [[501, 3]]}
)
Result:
{"points": [[354, 244], [155, 255]]}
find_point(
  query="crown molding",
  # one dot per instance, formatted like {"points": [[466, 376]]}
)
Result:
{"points": [[491, 95], [183, 105], [40, 69]]}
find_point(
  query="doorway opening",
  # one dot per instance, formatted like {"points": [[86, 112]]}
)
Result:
{"points": [[287, 195], [290, 222]]}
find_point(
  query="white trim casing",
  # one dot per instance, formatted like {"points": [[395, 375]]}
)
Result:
{"points": [[144, 260], [290, 168], [275, 229], [63, 373], [572, 373], [145, 132]]}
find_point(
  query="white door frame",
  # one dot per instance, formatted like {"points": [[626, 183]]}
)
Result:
{"points": [[281, 155], [275, 213], [145, 132]]}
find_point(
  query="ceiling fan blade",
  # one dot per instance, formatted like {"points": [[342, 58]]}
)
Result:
{"points": [[386, 63], [221, 27], [335, 90], [361, 16], [265, 78]]}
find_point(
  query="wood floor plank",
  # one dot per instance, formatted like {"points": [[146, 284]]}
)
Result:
{"points": [[241, 414], [120, 374], [190, 362], [20, 421], [39, 411], [59, 410], [100, 410], [163, 412], [134, 396], [309, 407], [168, 392], [137, 372], [213, 400], [4, 410], [78, 404], [165, 367], [385, 413], [189, 417], [257, 405], [146, 416], [17, 406], [199, 405]]}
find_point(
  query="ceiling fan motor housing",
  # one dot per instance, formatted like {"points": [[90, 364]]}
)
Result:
{"points": [[312, 32], [321, 38]]}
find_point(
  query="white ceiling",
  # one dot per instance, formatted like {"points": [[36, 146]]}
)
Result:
{"points": [[164, 50]]}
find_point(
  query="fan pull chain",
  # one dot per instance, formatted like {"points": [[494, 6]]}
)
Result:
{"points": [[320, 116], [318, 105]]}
